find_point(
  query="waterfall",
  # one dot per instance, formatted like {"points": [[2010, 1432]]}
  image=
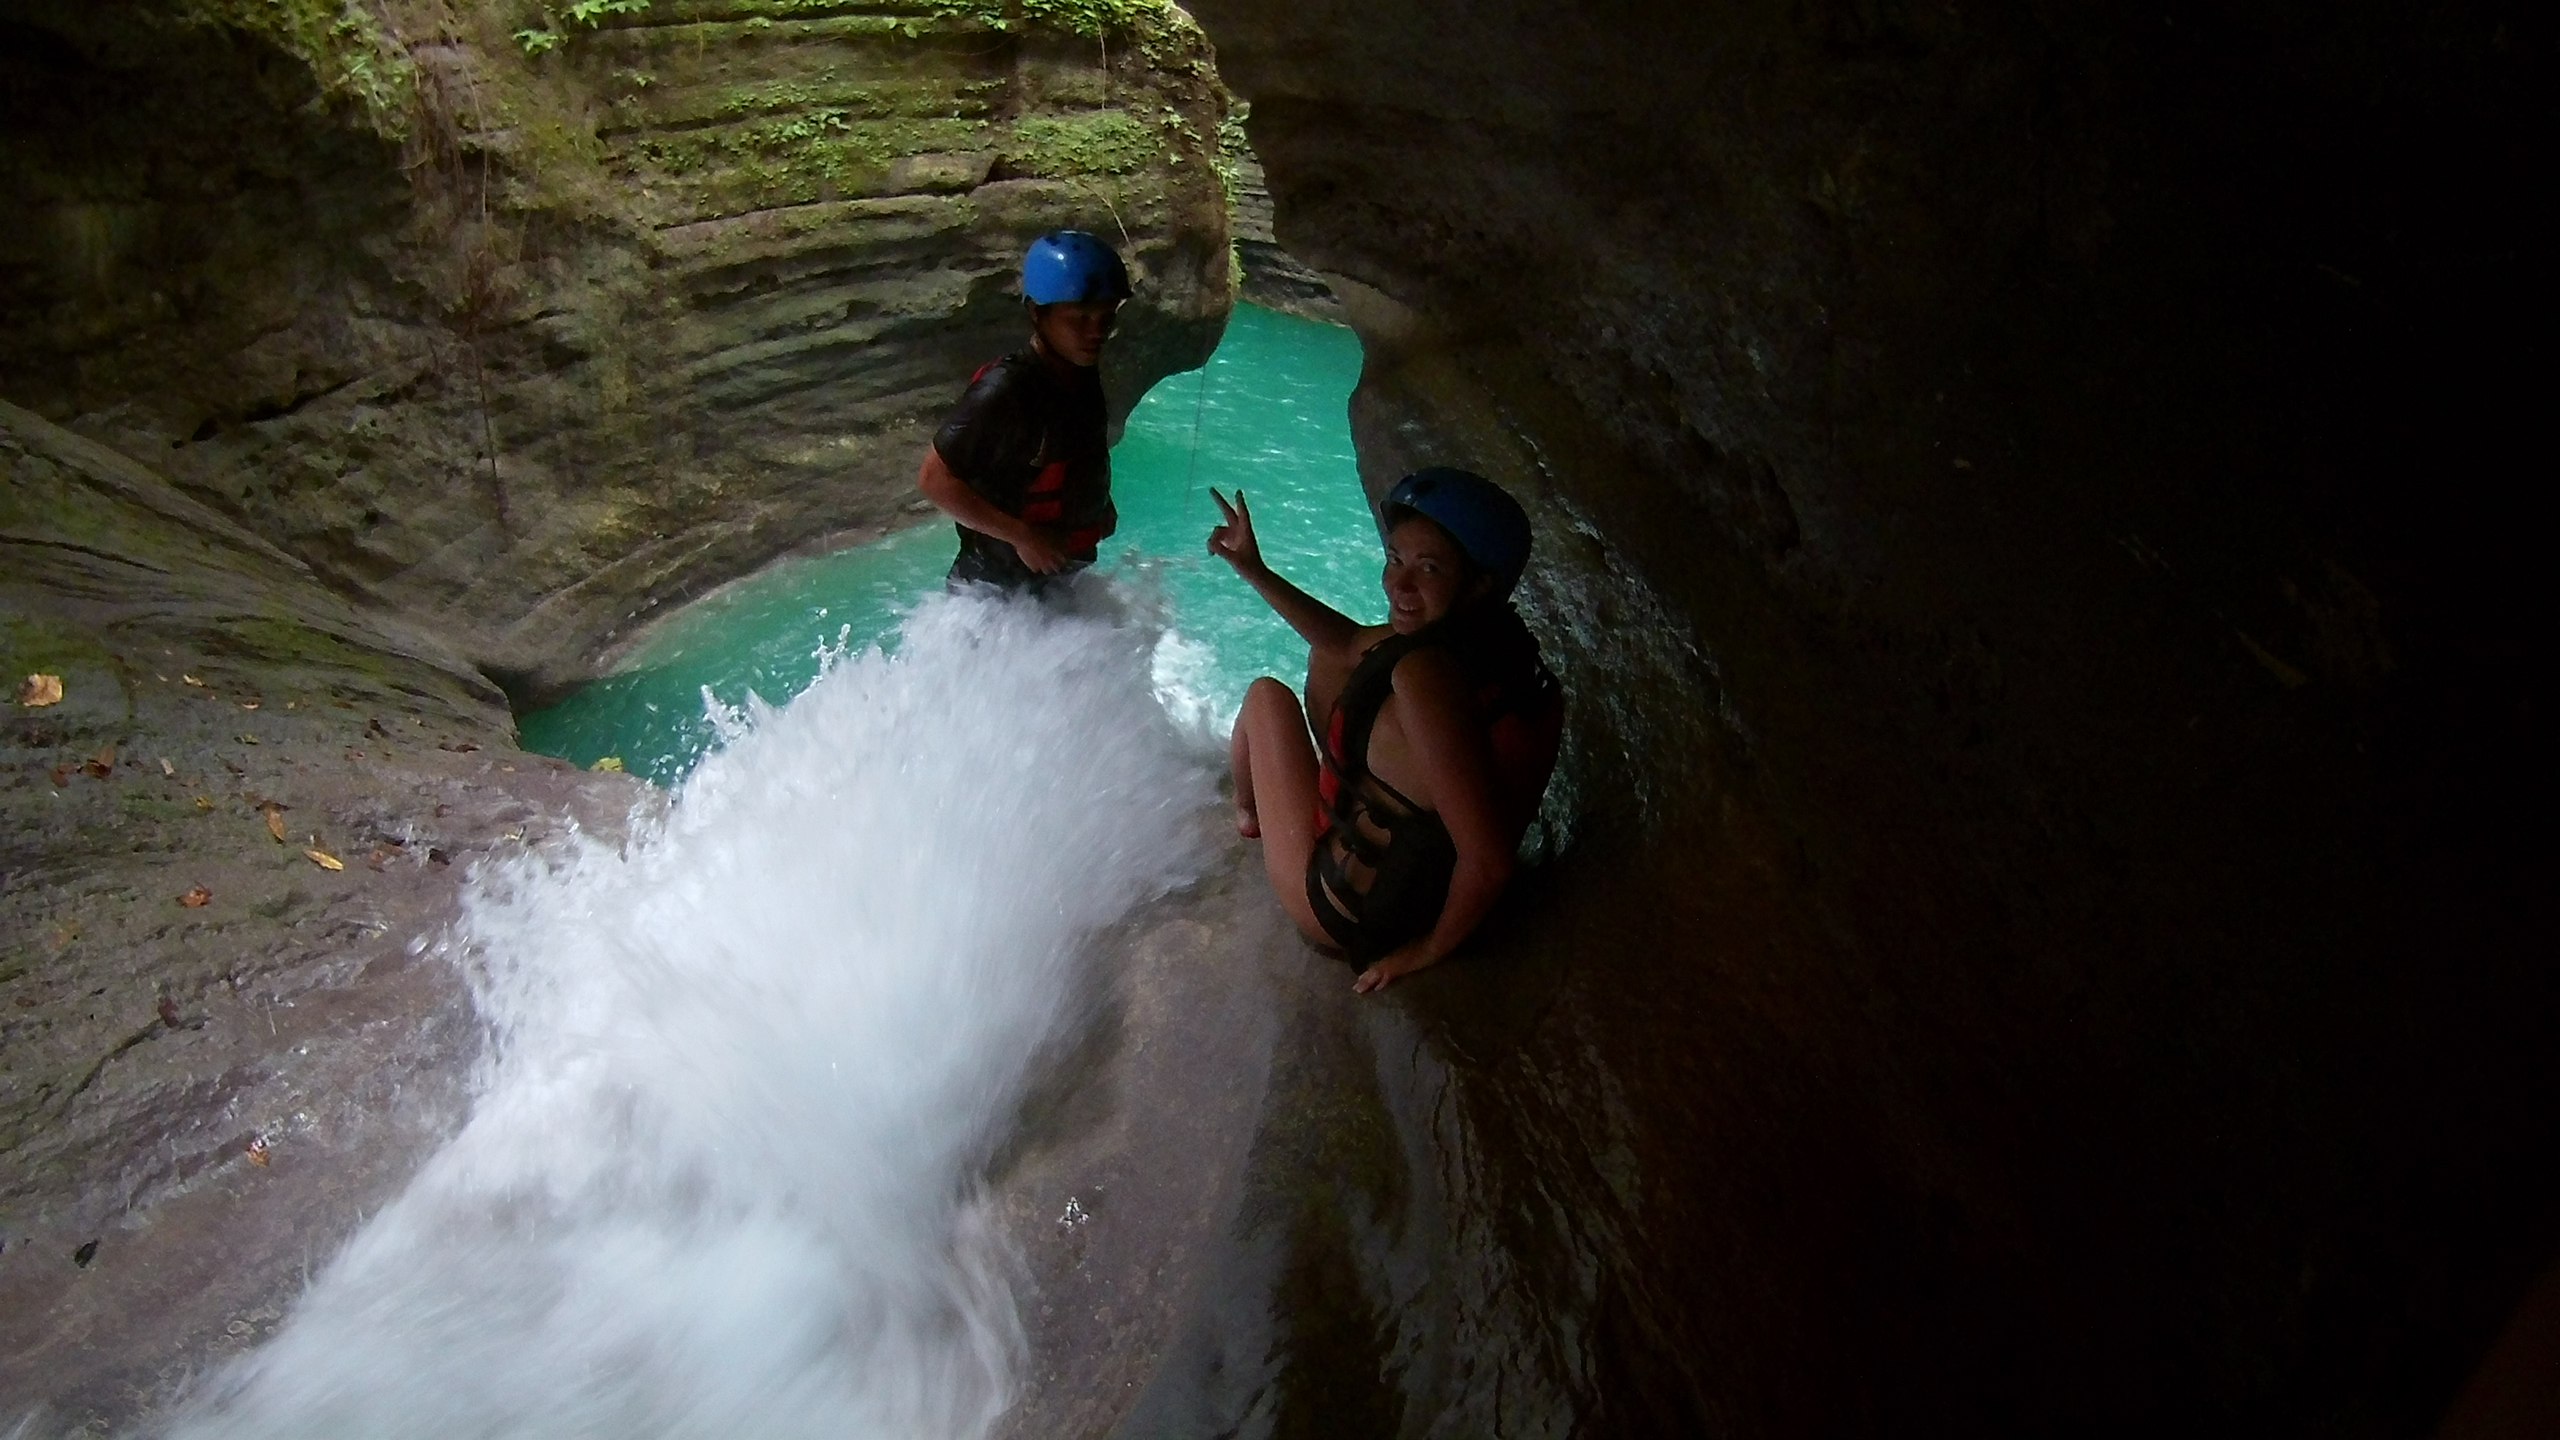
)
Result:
{"points": [[724, 1169]]}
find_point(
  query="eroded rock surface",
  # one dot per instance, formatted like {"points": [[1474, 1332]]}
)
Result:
{"points": [[2054, 938], [221, 844], [369, 361], [2045, 943], [524, 346]]}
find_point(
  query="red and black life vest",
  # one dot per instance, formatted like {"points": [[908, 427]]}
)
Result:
{"points": [[1382, 864], [1034, 445], [1517, 701]]}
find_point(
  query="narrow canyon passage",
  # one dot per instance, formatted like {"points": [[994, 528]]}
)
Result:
{"points": [[2047, 927]]}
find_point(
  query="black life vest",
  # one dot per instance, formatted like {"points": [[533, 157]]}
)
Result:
{"points": [[1381, 868], [1043, 501], [1518, 702]]}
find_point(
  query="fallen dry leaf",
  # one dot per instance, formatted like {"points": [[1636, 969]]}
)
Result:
{"points": [[248, 704], [61, 776], [324, 860], [197, 898], [258, 1150], [102, 764], [204, 802], [355, 754], [610, 764], [190, 679], [275, 821], [248, 739], [168, 769], [38, 691]]}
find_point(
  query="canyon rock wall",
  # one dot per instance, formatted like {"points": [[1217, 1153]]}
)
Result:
{"points": [[219, 850], [355, 362], [2055, 935], [1273, 278], [524, 334]]}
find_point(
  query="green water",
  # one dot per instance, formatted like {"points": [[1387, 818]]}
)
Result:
{"points": [[1270, 413]]}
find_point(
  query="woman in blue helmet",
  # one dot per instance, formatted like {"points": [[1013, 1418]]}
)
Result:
{"points": [[1389, 832], [1023, 463]]}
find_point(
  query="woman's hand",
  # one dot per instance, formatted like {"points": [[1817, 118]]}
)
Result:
{"points": [[1326, 630], [1233, 541], [1403, 960]]}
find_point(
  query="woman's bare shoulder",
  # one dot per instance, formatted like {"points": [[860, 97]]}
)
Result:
{"points": [[1430, 673], [1363, 639]]}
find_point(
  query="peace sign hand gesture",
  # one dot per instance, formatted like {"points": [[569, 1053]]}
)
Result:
{"points": [[1233, 541]]}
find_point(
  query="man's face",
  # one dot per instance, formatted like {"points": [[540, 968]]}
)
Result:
{"points": [[1074, 330]]}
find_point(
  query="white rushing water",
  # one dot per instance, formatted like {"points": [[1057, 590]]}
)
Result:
{"points": [[722, 1175]]}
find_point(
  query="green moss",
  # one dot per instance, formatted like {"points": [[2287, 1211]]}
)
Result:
{"points": [[349, 46], [96, 700], [283, 642], [30, 646], [561, 19], [1101, 142], [1233, 149], [1077, 17], [804, 156]]}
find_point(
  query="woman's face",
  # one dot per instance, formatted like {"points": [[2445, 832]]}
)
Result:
{"points": [[1427, 575]]}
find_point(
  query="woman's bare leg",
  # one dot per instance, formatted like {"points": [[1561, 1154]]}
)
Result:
{"points": [[1240, 769], [1275, 777]]}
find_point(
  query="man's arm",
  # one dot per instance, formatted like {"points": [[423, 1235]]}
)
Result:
{"points": [[953, 497]]}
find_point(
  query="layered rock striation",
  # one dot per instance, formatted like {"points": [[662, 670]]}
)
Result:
{"points": [[524, 334], [219, 851], [1273, 278], [362, 369]]}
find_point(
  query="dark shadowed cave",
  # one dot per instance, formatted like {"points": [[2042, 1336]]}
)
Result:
{"points": [[2055, 931], [2073, 956]]}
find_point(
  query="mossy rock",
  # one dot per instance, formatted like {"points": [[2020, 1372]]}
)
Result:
{"points": [[1103, 142], [95, 698]]}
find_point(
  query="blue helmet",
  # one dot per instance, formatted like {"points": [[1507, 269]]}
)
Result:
{"points": [[1065, 266], [1485, 521]]}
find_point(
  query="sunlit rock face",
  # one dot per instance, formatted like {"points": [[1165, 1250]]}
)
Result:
{"points": [[528, 333], [2054, 940]]}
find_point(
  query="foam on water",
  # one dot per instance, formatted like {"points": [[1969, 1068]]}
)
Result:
{"points": [[723, 1175]]}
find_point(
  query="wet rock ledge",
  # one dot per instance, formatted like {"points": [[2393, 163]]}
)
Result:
{"points": [[361, 369], [216, 849]]}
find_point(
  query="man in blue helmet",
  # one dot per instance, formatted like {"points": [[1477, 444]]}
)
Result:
{"points": [[1388, 833], [1023, 463]]}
